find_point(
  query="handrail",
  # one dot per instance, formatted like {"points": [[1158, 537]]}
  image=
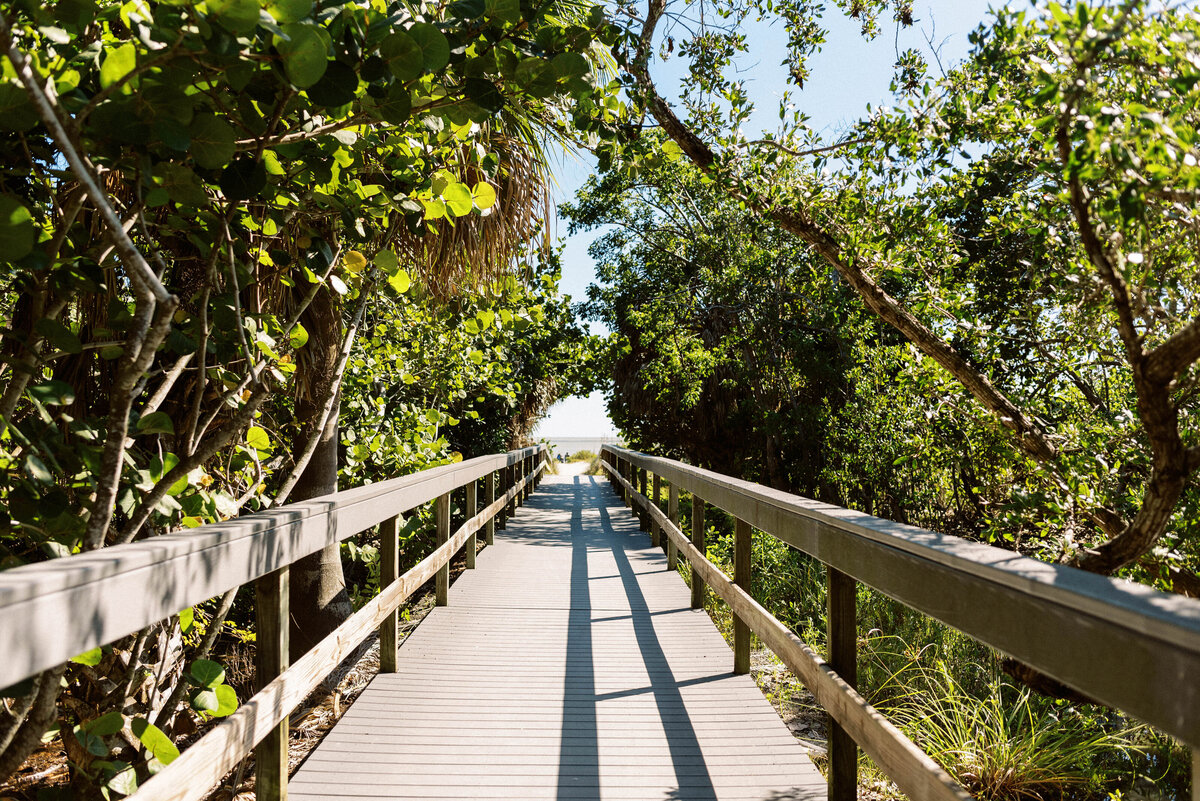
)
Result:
{"points": [[192, 775], [52, 611], [117, 591], [1124, 644]]}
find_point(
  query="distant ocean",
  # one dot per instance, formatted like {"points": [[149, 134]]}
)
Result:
{"points": [[569, 445]]}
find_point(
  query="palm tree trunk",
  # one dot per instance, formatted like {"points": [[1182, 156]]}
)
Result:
{"points": [[319, 602]]}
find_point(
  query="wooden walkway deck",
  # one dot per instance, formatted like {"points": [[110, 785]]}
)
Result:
{"points": [[567, 666]]}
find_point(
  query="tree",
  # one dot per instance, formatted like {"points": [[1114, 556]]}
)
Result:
{"points": [[200, 203], [1071, 90]]}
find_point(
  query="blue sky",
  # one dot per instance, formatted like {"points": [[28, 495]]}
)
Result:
{"points": [[845, 76]]}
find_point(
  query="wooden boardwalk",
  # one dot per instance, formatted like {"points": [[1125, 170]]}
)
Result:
{"points": [[567, 666]]}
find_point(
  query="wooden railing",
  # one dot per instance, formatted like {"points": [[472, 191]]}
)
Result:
{"points": [[1122, 644], [52, 611]]}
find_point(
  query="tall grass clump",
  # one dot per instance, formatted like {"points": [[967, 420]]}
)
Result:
{"points": [[1003, 742]]}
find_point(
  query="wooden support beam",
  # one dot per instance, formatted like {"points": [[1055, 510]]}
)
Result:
{"points": [[489, 494], [442, 517], [272, 622], [655, 531], [698, 541], [472, 509], [843, 658], [389, 573], [643, 515], [673, 516], [743, 542]]}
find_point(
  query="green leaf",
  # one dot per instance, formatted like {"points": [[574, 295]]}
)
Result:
{"points": [[105, 725], [484, 94], [213, 141], [403, 55], [58, 335], [155, 423], [90, 658], [484, 195], [119, 63], [337, 86], [435, 48], [304, 54], [124, 781], [503, 10], [396, 108], [257, 438], [272, 164], [205, 700], [387, 261], [158, 744], [206, 673], [181, 184], [16, 111], [477, 356], [187, 619], [91, 743], [244, 179], [17, 230], [298, 336], [570, 65], [239, 16], [399, 281], [54, 393], [227, 701], [285, 11], [458, 199]]}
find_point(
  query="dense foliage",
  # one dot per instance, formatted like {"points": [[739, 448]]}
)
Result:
{"points": [[210, 212]]}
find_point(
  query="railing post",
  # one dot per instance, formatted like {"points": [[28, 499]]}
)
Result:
{"points": [[442, 517], [626, 472], [510, 508], [673, 513], [643, 513], [272, 621], [389, 573], [743, 541], [489, 494], [843, 658], [655, 532], [698, 541], [472, 510]]}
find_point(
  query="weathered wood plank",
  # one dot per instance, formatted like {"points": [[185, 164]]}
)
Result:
{"points": [[441, 516], [743, 544], [489, 495], [673, 516], [389, 573], [698, 526], [842, 636], [655, 536], [273, 625], [472, 504]]}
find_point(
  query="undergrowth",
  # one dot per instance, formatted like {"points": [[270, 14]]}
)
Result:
{"points": [[946, 692]]}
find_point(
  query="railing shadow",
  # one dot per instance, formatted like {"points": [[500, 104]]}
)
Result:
{"points": [[683, 745]]}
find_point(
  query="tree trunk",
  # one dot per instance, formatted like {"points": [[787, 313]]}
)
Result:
{"points": [[319, 601]]}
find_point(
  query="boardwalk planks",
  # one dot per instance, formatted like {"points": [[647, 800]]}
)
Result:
{"points": [[594, 681]]}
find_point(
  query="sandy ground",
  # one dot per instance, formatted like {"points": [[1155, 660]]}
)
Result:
{"points": [[572, 468]]}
